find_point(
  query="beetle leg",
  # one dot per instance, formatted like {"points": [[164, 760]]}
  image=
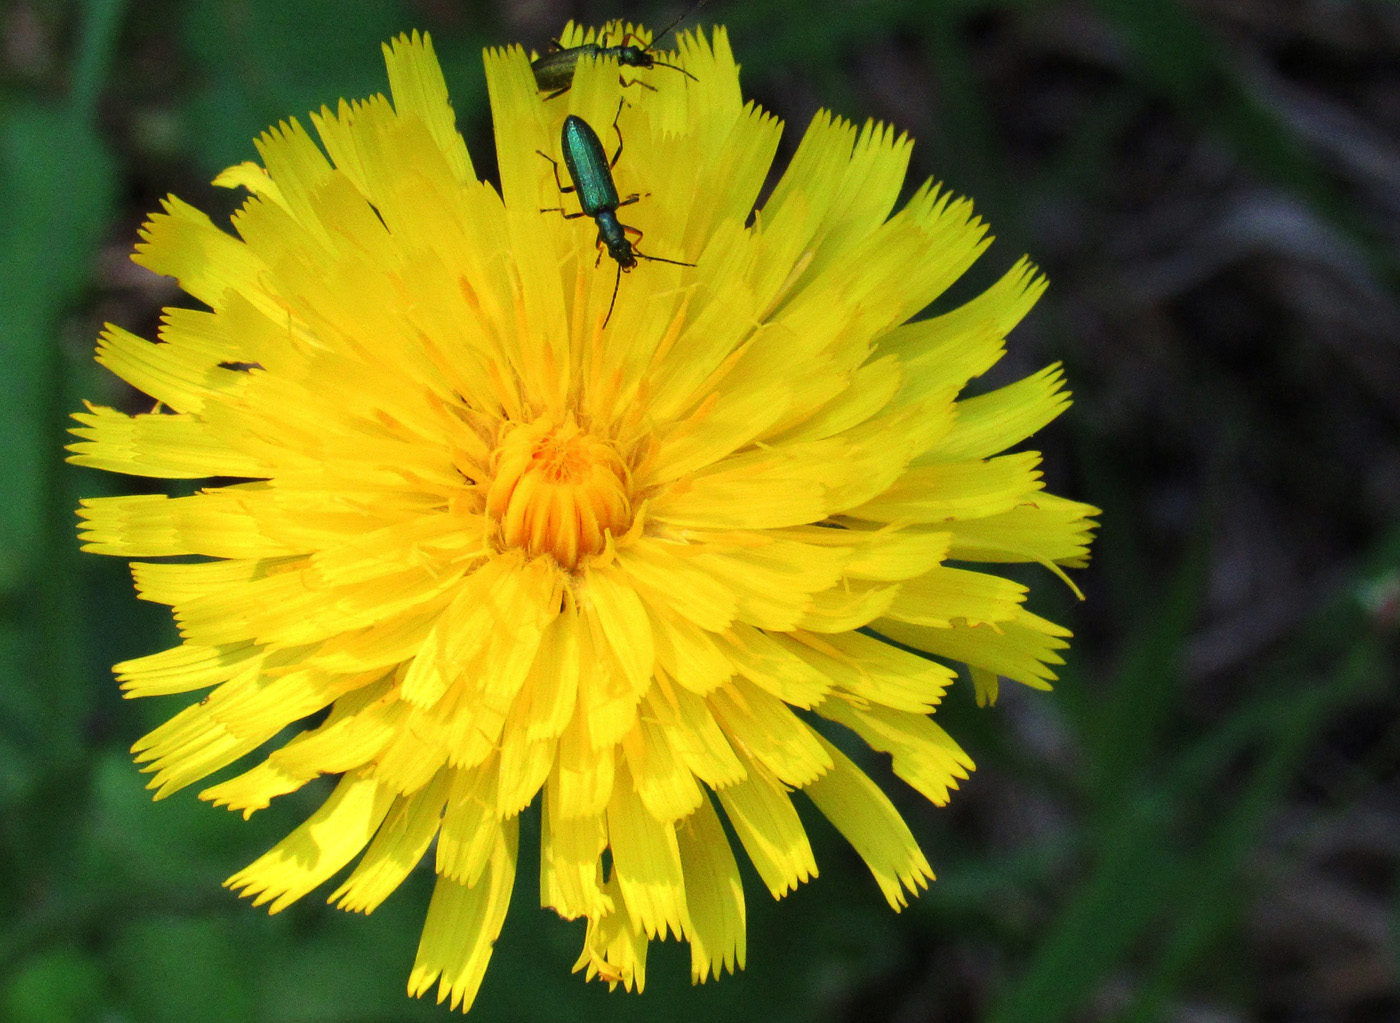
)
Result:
{"points": [[560, 210], [613, 162], [555, 165], [634, 197]]}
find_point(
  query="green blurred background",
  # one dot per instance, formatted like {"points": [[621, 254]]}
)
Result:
{"points": [[1201, 824]]}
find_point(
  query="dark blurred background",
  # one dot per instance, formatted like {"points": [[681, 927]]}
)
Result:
{"points": [[1200, 825]]}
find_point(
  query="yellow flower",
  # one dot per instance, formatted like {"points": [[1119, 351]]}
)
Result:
{"points": [[642, 569]]}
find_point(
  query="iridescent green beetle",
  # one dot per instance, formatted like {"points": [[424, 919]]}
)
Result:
{"points": [[591, 173], [555, 70]]}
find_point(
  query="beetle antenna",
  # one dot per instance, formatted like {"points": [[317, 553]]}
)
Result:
{"points": [[673, 67], [659, 259], [698, 4], [616, 281]]}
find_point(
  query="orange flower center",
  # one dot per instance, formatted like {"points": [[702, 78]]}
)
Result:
{"points": [[557, 490]]}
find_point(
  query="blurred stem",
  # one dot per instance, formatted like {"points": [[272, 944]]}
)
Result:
{"points": [[55, 584], [97, 43], [1207, 909], [1148, 885], [969, 149]]}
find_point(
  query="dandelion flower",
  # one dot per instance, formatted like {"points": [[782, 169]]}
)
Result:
{"points": [[477, 547]]}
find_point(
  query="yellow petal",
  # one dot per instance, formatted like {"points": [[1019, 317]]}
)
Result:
{"points": [[925, 755], [399, 844], [462, 926], [767, 824], [233, 720], [690, 727], [663, 781], [571, 862], [876, 671], [622, 624], [869, 821], [183, 243], [763, 726], [965, 342], [664, 573], [419, 90], [582, 779], [764, 660], [995, 421], [947, 595], [214, 523], [169, 446], [956, 490], [646, 863], [690, 655], [470, 828], [317, 849], [1022, 648], [358, 728], [614, 947], [525, 763], [1045, 529], [184, 668], [714, 895], [179, 374]]}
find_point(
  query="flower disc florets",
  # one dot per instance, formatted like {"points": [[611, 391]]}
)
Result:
{"points": [[557, 490], [506, 543]]}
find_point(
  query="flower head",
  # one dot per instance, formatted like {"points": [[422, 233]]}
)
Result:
{"points": [[638, 566]]}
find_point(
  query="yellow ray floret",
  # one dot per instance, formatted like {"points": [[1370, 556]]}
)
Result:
{"points": [[769, 829], [869, 821], [714, 895], [484, 527], [326, 842], [463, 924]]}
